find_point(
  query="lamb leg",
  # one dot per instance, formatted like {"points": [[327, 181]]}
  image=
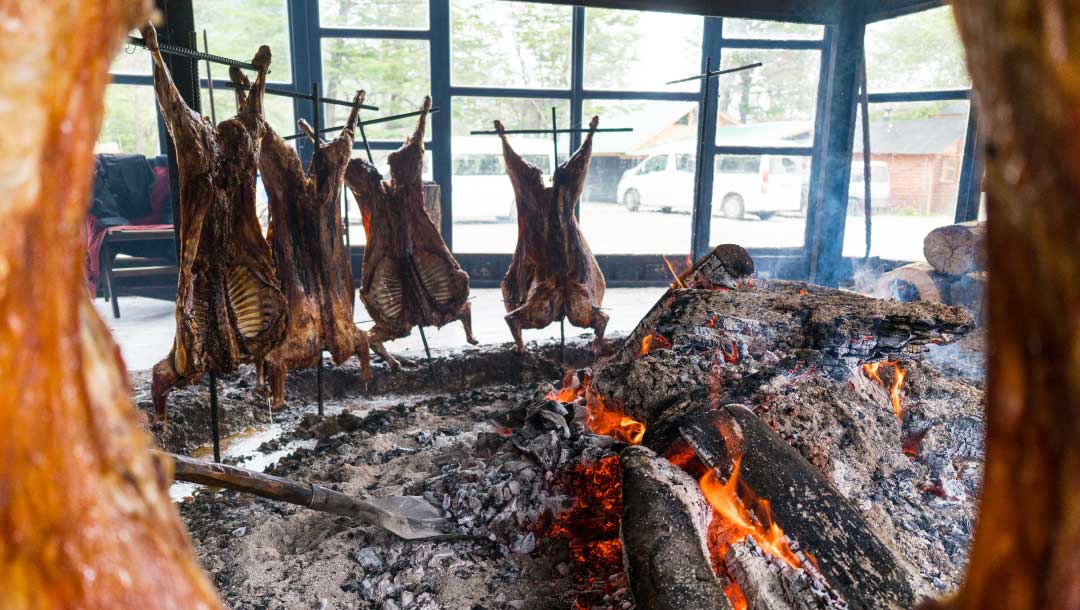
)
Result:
{"points": [[465, 315]]}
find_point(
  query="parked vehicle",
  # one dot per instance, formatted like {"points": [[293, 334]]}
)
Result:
{"points": [[880, 188], [482, 190], [757, 184]]}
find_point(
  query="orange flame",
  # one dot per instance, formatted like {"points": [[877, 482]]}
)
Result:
{"points": [[678, 281], [733, 357], [871, 370], [611, 420], [602, 417], [735, 596], [653, 341], [724, 498]]}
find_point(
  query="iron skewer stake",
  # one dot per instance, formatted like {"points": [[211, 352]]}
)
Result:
{"points": [[214, 430], [318, 381], [555, 161], [361, 124], [209, 79]]}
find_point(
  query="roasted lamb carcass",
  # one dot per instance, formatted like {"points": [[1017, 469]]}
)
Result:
{"points": [[306, 239], [229, 305], [85, 516], [553, 274], [409, 276]]}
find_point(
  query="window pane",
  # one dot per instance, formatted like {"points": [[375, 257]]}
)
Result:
{"points": [[509, 44], [759, 201], [400, 14], [916, 153], [641, 51], [394, 73], [639, 193], [916, 52], [236, 29], [279, 110], [131, 59], [756, 28], [483, 197], [130, 124], [773, 105]]}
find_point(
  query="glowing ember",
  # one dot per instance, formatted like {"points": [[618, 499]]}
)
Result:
{"points": [[733, 357], [591, 527], [678, 281], [572, 387], [652, 342], [871, 371], [735, 596]]}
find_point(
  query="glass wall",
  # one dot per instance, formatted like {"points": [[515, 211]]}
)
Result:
{"points": [[131, 122], [394, 73], [509, 44], [391, 14], [484, 210], [916, 143], [237, 28], [764, 134], [640, 51]]}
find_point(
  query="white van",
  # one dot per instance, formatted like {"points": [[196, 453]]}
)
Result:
{"points": [[756, 184], [482, 190]]}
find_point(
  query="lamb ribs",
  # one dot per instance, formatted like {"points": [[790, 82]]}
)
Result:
{"points": [[553, 274], [409, 277], [308, 250], [229, 305]]}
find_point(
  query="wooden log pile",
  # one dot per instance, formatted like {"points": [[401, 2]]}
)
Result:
{"points": [[859, 483], [954, 271]]}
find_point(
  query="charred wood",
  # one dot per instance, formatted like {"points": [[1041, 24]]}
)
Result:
{"points": [[804, 504], [663, 534]]}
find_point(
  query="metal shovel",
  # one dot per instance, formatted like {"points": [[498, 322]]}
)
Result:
{"points": [[408, 517]]}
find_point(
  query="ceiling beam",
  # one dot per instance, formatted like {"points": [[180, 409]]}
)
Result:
{"points": [[825, 12]]}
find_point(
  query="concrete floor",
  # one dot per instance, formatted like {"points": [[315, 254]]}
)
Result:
{"points": [[146, 327]]}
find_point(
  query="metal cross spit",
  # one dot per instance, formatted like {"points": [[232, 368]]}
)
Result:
{"points": [[706, 99], [554, 131]]}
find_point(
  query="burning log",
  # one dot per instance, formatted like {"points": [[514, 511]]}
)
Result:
{"points": [[306, 239], [229, 305], [834, 330], [553, 274], [85, 518], [1023, 61], [802, 502], [914, 282], [663, 531], [956, 249], [409, 278]]}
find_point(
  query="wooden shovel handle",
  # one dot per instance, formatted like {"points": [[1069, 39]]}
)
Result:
{"points": [[242, 480]]}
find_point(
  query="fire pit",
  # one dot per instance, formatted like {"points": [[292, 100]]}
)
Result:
{"points": [[750, 445]]}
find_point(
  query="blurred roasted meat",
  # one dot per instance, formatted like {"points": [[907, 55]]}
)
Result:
{"points": [[409, 276], [85, 517], [229, 305], [553, 274], [308, 246]]}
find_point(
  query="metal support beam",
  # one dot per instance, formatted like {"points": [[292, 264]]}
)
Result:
{"points": [[179, 26], [815, 186], [307, 61], [701, 228], [843, 58], [439, 18], [969, 196]]}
